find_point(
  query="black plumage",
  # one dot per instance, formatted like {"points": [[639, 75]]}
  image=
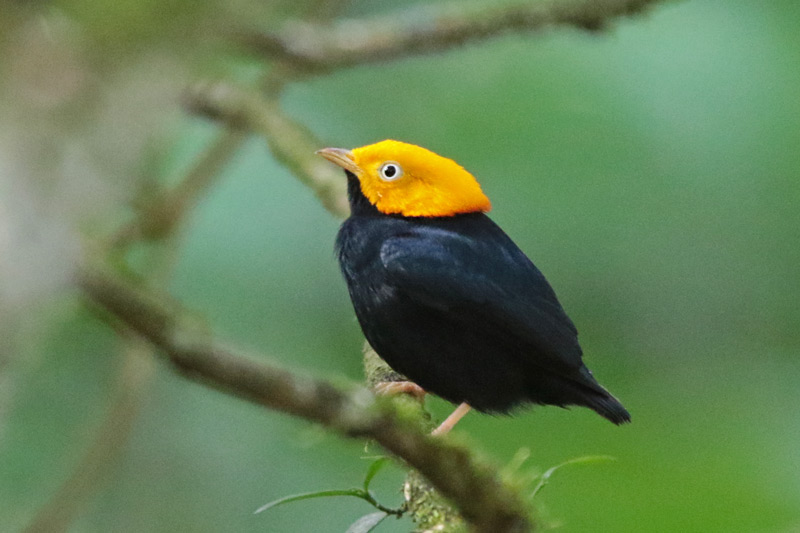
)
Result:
{"points": [[453, 304]]}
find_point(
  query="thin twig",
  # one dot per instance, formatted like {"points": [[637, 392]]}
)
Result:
{"points": [[160, 217], [486, 503], [290, 142], [315, 48], [77, 490]]}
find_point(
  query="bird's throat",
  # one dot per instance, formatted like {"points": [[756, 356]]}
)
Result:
{"points": [[359, 204]]}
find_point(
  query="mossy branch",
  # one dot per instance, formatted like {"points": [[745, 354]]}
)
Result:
{"points": [[426, 507], [474, 487], [318, 48]]}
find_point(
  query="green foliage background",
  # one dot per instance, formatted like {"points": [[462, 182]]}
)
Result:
{"points": [[653, 174]]}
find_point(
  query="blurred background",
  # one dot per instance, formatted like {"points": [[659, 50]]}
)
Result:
{"points": [[652, 172]]}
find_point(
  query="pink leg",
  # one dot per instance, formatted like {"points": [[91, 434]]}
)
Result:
{"points": [[391, 388], [451, 420]]}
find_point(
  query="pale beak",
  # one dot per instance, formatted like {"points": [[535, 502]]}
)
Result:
{"points": [[342, 157]]}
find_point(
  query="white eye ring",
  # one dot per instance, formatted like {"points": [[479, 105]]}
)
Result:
{"points": [[391, 171]]}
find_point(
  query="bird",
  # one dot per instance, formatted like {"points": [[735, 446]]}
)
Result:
{"points": [[445, 297]]}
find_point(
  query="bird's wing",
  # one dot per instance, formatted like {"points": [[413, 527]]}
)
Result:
{"points": [[488, 278]]}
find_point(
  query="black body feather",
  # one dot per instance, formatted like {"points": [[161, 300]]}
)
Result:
{"points": [[457, 307]]}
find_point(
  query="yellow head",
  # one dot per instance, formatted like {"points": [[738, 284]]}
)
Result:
{"points": [[404, 179]]}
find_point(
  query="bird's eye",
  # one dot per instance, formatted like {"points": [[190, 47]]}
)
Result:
{"points": [[390, 171]]}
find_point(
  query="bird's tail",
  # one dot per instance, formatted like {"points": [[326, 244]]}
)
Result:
{"points": [[608, 407], [596, 397], [579, 388]]}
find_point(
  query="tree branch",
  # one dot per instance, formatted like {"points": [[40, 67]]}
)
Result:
{"points": [[485, 502], [315, 48], [304, 48]]}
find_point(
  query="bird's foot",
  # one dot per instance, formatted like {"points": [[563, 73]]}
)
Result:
{"points": [[392, 388], [452, 420]]}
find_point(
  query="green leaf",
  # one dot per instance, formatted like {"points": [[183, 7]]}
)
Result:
{"points": [[367, 523], [374, 468], [358, 493], [588, 459]]}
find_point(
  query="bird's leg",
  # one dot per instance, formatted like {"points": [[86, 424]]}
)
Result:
{"points": [[452, 420], [391, 388]]}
